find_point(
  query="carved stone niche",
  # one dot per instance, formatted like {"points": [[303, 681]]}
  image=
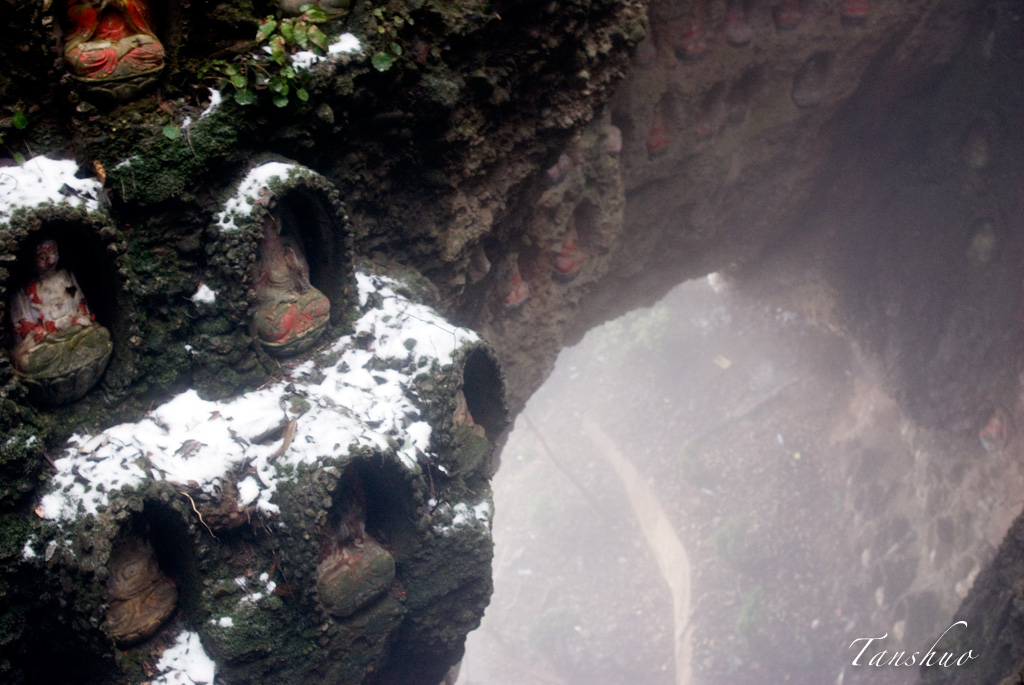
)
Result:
{"points": [[474, 414], [112, 47], [283, 249], [366, 527], [150, 573], [354, 569], [577, 242], [64, 313]]}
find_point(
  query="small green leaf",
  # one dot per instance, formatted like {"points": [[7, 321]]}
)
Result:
{"points": [[288, 30], [382, 61], [288, 72], [302, 35], [318, 38], [20, 120], [19, 158], [230, 69], [396, 49], [378, 12], [409, 21], [266, 29], [238, 81], [277, 50], [302, 94], [276, 84], [172, 132], [280, 100], [245, 97]]}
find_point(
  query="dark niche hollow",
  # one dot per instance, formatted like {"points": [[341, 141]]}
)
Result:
{"points": [[485, 395]]}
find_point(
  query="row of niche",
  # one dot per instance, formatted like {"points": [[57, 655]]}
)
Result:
{"points": [[280, 268], [118, 50], [573, 227], [153, 569]]}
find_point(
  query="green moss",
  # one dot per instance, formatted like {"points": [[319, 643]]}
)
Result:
{"points": [[145, 166]]}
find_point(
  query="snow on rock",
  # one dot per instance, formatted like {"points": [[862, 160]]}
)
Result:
{"points": [[28, 552], [465, 515], [352, 402], [247, 195], [42, 180], [215, 100], [204, 294], [347, 44], [185, 662]]}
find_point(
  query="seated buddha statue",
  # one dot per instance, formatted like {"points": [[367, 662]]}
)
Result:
{"points": [[60, 351], [110, 45], [290, 313]]}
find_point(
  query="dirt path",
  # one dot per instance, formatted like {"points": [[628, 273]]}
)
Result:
{"points": [[668, 551]]}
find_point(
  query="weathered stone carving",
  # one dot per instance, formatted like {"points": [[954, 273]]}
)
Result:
{"points": [[472, 448], [518, 289], [290, 313], [141, 597], [60, 350], [281, 266], [111, 47], [350, 577], [354, 569], [570, 257]]}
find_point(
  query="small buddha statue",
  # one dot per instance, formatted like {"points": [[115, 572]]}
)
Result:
{"points": [[110, 45], [60, 351], [290, 313]]}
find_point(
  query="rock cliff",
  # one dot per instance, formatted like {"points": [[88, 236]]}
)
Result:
{"points": [[471, 186]]}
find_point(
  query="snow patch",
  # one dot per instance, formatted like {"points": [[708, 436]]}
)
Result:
{"points": [[347, 44], [204, 294], [247, 195], [185, 662], [215, 100], [358, 397], [42, 180], [27, 552], [465, 515]]}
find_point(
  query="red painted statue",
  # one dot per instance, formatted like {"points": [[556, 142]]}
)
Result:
{"points": [[111, 44], [60, 351], [290, 313]]}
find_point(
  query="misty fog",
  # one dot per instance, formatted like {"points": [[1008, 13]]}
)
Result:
{"points": [[688, 499]]}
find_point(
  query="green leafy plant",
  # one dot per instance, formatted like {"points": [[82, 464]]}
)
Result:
{"points": [[19, 121], [389, 23], [279, 39]]}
